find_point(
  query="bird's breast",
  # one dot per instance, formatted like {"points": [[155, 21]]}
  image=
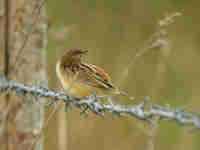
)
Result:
{"points": [[71, 85]]}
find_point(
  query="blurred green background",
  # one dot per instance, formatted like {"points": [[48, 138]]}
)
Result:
{"points": [[114, 32]]}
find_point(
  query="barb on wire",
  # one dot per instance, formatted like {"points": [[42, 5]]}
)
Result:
{"points": [[94, 104]]}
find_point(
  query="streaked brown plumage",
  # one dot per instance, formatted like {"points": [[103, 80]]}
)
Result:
{"points": [[80, 79]]}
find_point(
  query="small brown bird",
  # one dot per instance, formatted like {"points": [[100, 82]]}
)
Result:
{"points": [[80, 79]]}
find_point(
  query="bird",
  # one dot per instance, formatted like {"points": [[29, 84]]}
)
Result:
{"points": [[81, 79]]}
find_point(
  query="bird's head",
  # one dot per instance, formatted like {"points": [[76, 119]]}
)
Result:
{"points": [[73, 56]]}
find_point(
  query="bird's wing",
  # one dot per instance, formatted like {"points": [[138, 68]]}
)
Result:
{"points": [[94, 76]]}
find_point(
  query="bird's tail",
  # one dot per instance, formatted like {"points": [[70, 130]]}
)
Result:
{"points": [[124, 94]]}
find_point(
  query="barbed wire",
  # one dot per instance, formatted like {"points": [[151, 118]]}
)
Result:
{"points": [[94, 104]]}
